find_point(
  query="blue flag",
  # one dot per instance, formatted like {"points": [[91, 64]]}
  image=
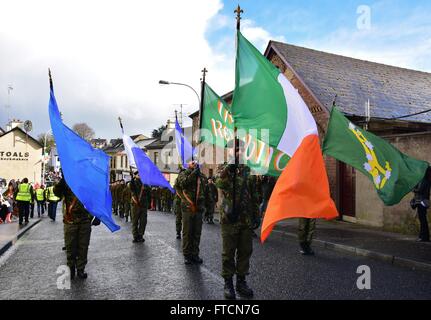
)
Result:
{"points": [[85, 169], [148, 171], [184, 148]]}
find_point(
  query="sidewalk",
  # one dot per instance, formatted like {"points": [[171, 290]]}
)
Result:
{"points": [[393, 248], [11, 232]]}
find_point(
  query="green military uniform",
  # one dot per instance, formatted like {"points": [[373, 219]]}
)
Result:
{"points": [[139, 209], [169, 200], [120, 200], [193, 192], [306, 229], [163, 200], [212, 201], [237, 223], [127, 198], [114, 198], [177, 210], [77, 229]]}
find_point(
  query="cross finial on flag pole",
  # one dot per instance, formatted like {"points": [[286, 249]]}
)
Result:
{"points": [[204, 73], [238, 12]]}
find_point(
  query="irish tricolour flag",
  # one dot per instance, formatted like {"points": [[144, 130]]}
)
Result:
{"points": [[264, 99]]}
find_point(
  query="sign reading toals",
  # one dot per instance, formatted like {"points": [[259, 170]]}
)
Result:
{"points": [[14, 156]]}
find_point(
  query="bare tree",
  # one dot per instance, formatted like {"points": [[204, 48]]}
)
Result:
{"points": [[49, 141], [84, 131]]}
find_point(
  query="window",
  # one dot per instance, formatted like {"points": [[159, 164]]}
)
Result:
{"points": [[156, 158], [121, 161]]}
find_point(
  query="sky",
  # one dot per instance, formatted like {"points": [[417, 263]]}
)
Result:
{"points": [[107, 56]]}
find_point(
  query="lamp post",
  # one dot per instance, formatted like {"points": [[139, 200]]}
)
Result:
{"points": [[164, 82], [43, 156]]}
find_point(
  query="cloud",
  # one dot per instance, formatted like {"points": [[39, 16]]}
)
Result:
{"points": [[106, 58], [404, 43]]}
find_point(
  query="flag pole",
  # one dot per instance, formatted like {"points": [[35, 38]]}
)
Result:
{"points": [[238, 12], [201, 105], [122, 131], [182, 140], [51, 86], [121, 124]]}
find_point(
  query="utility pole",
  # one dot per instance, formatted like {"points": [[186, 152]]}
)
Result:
{"points": [[8, 106]]}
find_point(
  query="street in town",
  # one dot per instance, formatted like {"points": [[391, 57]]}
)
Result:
{"points": [[119, 269]]}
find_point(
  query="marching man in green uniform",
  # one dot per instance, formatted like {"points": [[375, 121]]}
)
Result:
{"points": [[306, 229], [177, 209], [139, 208], [120, 197], [127, 198], [77, 230], [239, 217], [194, 196], [213, 198], [24, 196]]}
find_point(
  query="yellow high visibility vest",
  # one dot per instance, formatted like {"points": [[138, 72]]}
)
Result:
{"points": [[51, 195], [24, 192], [39, 194]]}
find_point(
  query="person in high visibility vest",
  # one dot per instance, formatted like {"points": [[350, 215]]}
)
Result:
{"points": [[23, 197], [32, 202], [52, 203], [40, 198]]}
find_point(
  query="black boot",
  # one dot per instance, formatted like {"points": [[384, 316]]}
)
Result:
{"points": [[72, 273], [306, 249], [178, 236], [242, 288], [197, 260], [188, 260], [127, 218], [229, 291], [82, 274]]}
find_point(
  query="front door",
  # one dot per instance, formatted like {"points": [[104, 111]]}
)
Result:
{"points": [[346, 183]]}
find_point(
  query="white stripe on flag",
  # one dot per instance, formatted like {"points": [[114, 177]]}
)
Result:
{"points": [[300, 122]]}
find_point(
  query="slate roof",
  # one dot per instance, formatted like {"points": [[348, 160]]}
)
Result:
{"points": [[392, 91]]}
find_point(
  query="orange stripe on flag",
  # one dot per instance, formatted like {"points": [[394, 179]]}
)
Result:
{"points": [[302, 191]]}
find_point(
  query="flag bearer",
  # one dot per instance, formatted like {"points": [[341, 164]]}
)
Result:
{"points": [[422, 201], [77, 229], [23, 197], [238, 219], [194, 196], [139, 208]]}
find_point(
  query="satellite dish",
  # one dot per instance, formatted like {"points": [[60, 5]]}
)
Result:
{"points": [[28, 126]]}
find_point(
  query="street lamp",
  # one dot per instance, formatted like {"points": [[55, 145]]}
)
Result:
{"points": [[164, 82], [43, 158]]}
